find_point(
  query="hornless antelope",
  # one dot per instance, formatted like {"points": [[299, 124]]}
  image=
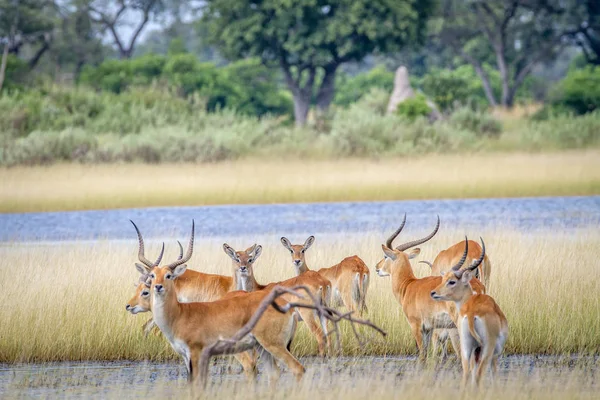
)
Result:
{"points": [[189, 327], [349, 278], [243, 278], [422, 312], [482, 326], [445, 260]]}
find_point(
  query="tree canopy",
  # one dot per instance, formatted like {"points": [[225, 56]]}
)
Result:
{"points": [[309, 40]]}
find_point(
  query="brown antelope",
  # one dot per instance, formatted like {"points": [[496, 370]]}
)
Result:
{"points": [[192, 285], [349, 278], [446, 258], [482, 326], [243, 279], [422, 312], [189, 327]]}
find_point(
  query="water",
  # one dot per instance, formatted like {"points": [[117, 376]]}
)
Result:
{"points": [[315, 218], [125, 379]]}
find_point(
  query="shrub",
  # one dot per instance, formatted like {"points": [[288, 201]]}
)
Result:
{"points": [[351, 89], [479, 122], [579, 92], [562, 132], [414, 107]]}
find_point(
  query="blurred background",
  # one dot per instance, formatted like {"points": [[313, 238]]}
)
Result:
{"points": [[155, 81]]}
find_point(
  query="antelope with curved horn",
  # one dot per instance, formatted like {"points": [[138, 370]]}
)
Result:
{"points": [[243, 278], [189, 327], [349, 278], [482, 325], [422, 312], [193, 285], [444, 260], [452, 254]]}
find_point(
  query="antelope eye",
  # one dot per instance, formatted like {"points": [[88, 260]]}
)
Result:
{"points": [[168, 276], [145, 293], [153, 276], [250, 260], [451, 283], [303, 250]]}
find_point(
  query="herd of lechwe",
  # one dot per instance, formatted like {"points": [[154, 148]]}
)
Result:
{"points": [[194, 310]]}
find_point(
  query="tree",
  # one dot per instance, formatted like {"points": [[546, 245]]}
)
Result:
{"points": [[310, 39], [24, 22], [584, 27], [111, 15], [519, 33]]}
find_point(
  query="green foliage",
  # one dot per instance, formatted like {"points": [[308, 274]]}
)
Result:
{"points": [[414, 107], [459, 87], [351, 89], [479, 122], [16, 73], [579, 92], [562, 132]]}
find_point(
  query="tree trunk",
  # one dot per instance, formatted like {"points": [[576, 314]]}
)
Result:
{"points": [[301, 107], [327, 89], [3, 65], [487, 86]]}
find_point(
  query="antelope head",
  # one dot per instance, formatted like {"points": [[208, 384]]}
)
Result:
{"points": [[457, 280]]}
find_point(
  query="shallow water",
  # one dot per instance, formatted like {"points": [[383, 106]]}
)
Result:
{"points": [[523, 214], [138, 379]]}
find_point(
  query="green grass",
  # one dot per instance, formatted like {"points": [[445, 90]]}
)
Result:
{"points": [[67, 301]]}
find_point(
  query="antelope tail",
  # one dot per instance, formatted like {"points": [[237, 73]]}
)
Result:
{"points": [[471, 322], [360, 283]]}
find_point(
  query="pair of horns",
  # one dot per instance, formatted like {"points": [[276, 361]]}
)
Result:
{"points": [[475, 263], [408, 245], [180, 260]]}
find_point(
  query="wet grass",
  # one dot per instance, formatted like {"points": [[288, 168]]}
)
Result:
{"points": [[67, 301], [83, 187]]}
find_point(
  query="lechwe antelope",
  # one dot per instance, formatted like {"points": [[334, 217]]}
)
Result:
{"points": [[243, 279], [446, 258], [422, 312], [444, 261], [349, 278], [189, 327], [482, 326], [191, 286]]}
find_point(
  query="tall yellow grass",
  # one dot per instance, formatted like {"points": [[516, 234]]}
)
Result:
{"points": [[78, 187], [67, 301]]}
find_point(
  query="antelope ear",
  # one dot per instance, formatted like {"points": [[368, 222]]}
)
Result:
{"points": [[142, 269], [413, 253], [286, 243], [250, 249], [309, 242], [230, 252], [179, 270], [467, 275], [389, 253], [257, 252]]}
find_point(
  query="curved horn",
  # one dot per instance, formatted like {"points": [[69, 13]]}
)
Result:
{"points": [[389, 241], [180, 250], [188, 255], [460, 262], [477, 262], [141, 256], [414, 243], [427, 262], [160, 256]]}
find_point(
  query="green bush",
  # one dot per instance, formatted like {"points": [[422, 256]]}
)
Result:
{"points": [[15, 74], [562, 132], [579, 92], [351, 89], [414, 107], [479, 122]]}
